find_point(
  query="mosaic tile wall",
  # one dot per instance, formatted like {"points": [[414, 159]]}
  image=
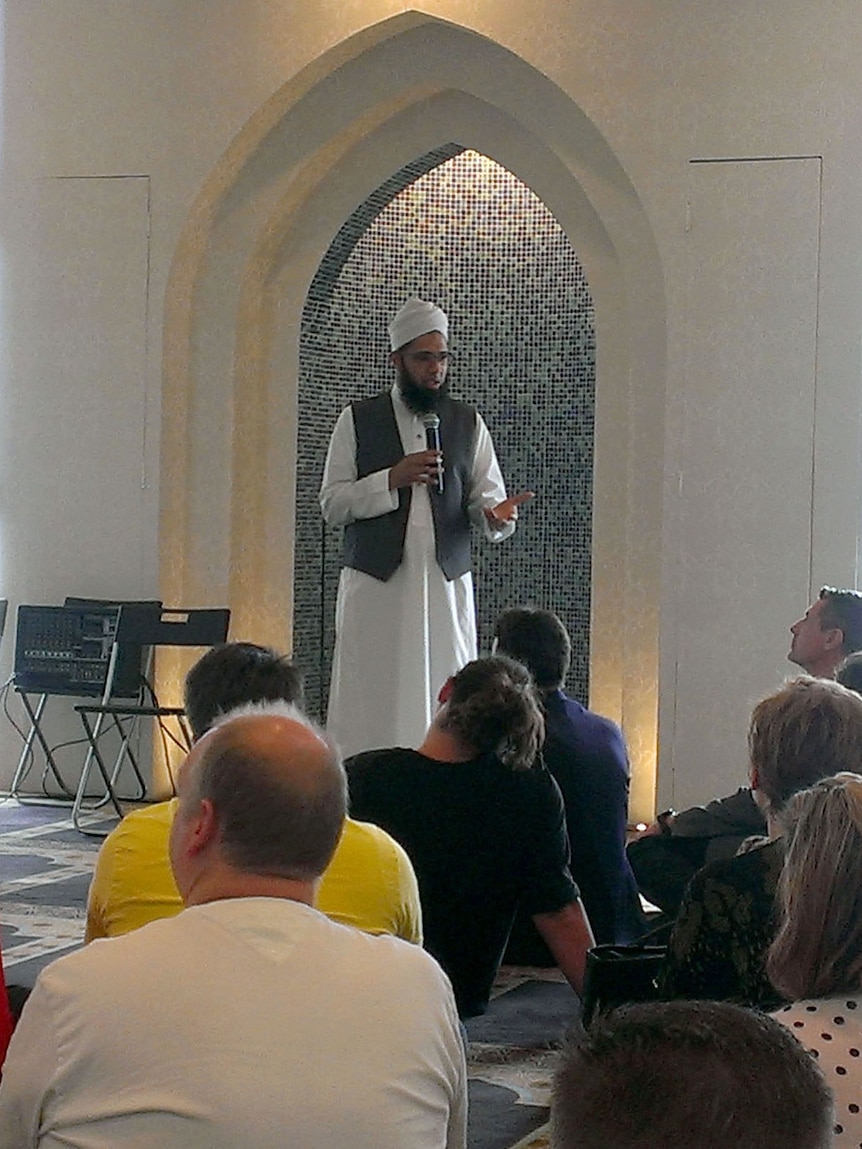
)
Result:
{"points": [[457, 228]]}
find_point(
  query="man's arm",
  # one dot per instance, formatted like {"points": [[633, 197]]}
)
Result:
{"points": [[593, 775], [737, 814], [344, 497], [566, 929], [487, 489], [568, 936]]}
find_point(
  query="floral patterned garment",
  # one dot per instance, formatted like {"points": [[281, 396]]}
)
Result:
{"points": [[717, 949]]}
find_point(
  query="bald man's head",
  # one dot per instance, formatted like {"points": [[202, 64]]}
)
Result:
{"points": [[277, 789]]}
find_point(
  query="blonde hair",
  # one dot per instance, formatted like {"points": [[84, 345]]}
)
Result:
{"points": [[818, 949], [808, 730]]}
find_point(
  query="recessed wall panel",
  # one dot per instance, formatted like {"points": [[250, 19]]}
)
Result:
{"points": [[744, 485]]}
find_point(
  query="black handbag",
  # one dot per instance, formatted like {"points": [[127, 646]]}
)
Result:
{"points": [[616, 974]]}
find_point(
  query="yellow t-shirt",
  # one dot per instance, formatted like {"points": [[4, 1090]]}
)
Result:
{"points": [[370, 882]]}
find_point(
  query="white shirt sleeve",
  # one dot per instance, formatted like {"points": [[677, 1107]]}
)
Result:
{"points": [[344, 497], [456, 1134], [456, 1131], [28, 1071], [487, 488]]}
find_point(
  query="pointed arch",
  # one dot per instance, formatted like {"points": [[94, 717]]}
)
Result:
{"points": [[241, 271]]}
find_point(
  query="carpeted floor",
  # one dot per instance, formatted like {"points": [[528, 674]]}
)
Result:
{"points": [[45, 868]]}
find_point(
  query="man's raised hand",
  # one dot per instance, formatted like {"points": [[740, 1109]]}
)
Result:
{"points": [[420, 467], [507, 511]]}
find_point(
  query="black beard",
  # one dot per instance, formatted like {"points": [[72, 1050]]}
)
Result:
{"points": [[420, 400]]}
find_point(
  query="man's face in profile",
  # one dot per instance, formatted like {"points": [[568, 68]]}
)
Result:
{"points": [[811, 643]]}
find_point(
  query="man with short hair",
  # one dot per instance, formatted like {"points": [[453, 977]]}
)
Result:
{"points": [[704, 1074], [587, 755], [250, 1018], [369, 883], [829, 630], [233, 675], [405, 619], [671, 850]]}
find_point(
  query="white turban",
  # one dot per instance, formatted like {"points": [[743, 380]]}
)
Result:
{"points": [[417, 318]]}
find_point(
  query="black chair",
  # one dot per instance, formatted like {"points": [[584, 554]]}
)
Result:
{"points": [[142, 628]]}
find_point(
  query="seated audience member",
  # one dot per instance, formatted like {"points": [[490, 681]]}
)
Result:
{"points": [[692, 1074], [849, 673], [370, 882], [816, 958], [484, 825], [810, 729], [249, 1019], [668, 854], [587, 755], [829, 631]]}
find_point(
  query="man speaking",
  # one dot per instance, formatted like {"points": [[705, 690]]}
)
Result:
{"points": [[404, 620]]}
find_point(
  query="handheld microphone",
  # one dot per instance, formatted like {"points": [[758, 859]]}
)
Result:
{"points": [[431, 423]]}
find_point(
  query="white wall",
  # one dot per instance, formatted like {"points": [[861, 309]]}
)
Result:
{"points": [[745, 455], [158, 91]]}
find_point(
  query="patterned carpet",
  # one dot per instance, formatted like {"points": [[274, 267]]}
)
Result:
{"points": [[45, 868]]}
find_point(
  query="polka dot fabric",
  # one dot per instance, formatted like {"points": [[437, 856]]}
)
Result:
{"points": [[832, 1030]]}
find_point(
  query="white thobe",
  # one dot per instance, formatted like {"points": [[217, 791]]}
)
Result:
{"points": [[396, 642]]}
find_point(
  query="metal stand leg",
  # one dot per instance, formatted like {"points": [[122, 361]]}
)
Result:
{"points": [[93, 755], [25, 761], [109, 778], [126, 752]]}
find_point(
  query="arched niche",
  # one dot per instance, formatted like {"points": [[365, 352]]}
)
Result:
{"points": [[248, 252]]}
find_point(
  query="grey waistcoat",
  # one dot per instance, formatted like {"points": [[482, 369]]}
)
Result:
{"points": [[376, 546]]}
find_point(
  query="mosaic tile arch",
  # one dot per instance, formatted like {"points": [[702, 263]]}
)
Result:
{"points": [[457, 228]]}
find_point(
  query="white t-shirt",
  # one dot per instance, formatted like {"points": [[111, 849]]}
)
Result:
{"points": [[250, 1023], [831, 1028]]}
